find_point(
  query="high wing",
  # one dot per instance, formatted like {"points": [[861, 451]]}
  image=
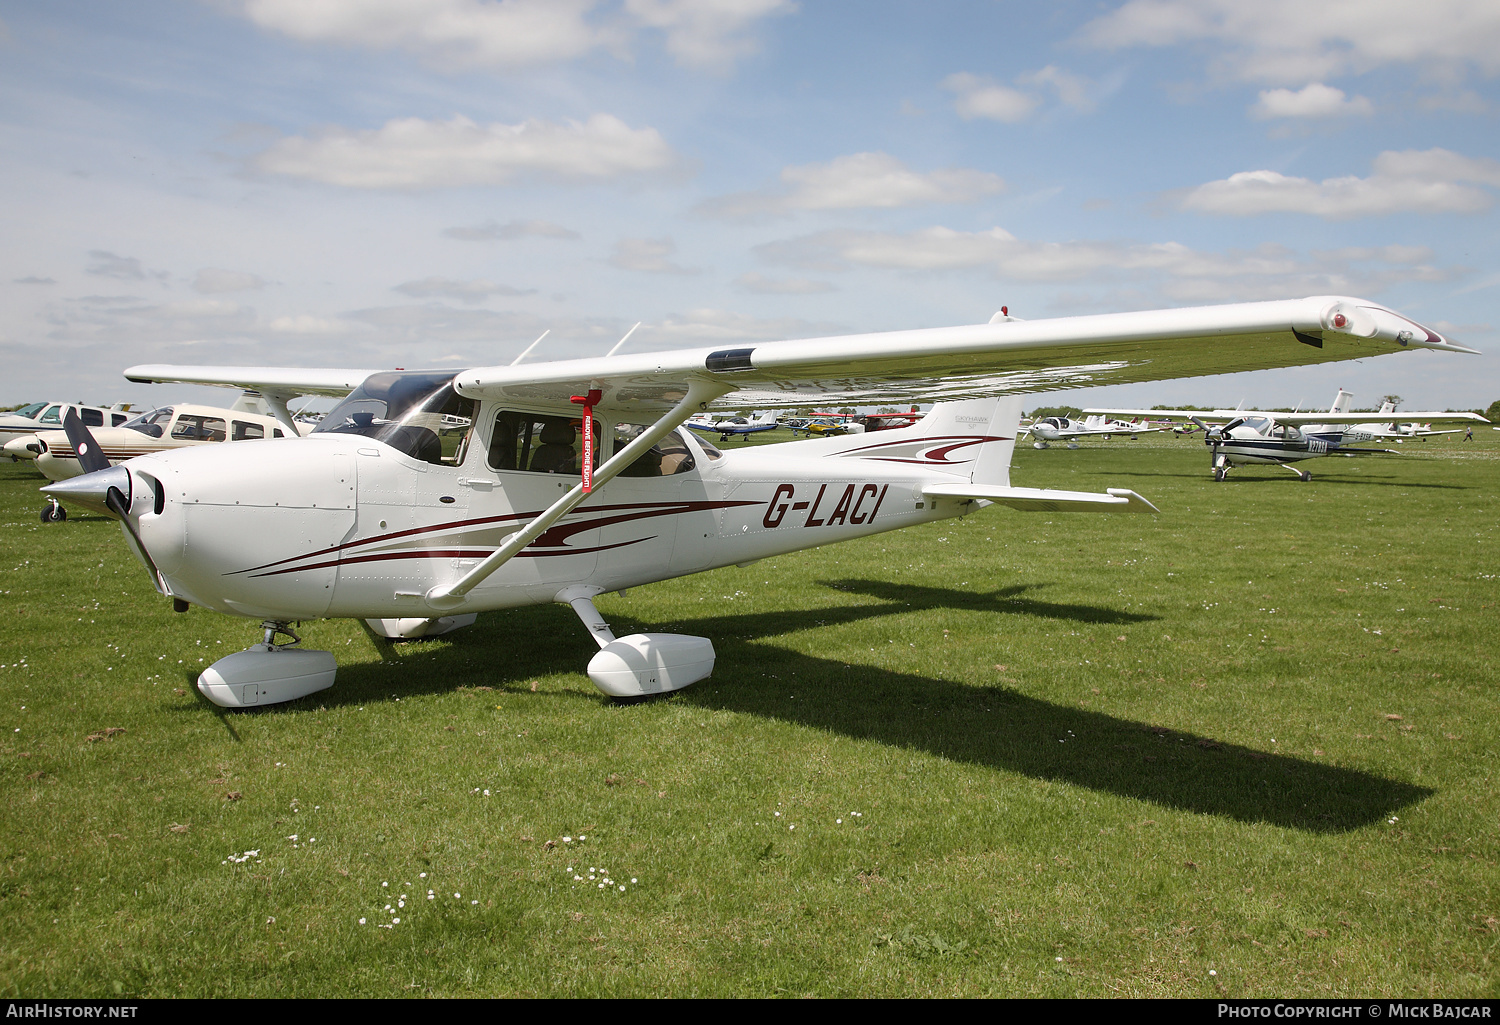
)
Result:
{"points": [[286, 381], [941, 364], [1291, 419], [275, 385], [1214, 416]]}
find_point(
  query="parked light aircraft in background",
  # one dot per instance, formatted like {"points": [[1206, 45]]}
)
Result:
{"points": [[889, 421], [576, 477], [1060, 428], [48, 416], [1399, 432], [1238, 437], [175, 426], [734, 426]]}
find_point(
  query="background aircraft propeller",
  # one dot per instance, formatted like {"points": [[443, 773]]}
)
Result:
{"points": [[101, 485]]}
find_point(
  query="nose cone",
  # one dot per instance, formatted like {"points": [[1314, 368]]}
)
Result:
{"points": [[25, 447]]}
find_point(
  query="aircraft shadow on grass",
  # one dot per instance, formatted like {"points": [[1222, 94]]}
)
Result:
{"points": [[996, 727]]}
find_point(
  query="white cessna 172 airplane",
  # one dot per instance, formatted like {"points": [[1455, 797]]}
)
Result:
{"points": [[373, 516], [1240, 437], [1061, 428]]}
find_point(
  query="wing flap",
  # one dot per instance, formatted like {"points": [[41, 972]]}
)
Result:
{"points": [[1045, 499]]}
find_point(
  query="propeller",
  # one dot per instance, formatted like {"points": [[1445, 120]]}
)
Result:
{"points": [[1212, 436], [102, 487]]}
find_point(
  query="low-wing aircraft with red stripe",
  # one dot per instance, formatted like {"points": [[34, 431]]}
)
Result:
{"points": [[575, 477]]}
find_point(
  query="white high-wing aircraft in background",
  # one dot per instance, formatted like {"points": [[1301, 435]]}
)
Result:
{"points": [[157, 430], [48, 416], [575, 477], [1398, 432], [1239, 437], [1061, 428]]}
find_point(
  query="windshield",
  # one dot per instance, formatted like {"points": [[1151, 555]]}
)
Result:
{"points": [[30, 411], [417, 413], [151, 423]]}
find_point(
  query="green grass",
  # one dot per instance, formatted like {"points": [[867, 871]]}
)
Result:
{"points": [[1092, 755]]}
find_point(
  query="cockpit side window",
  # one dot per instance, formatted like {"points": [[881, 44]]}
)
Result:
{"points": [[539, 443], [152, 423], [52, 416]]}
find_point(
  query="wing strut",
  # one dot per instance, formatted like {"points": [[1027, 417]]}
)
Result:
{"points": [[699, 394]]}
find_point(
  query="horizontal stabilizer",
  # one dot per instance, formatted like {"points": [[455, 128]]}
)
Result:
{"points": [[1044, 499]]}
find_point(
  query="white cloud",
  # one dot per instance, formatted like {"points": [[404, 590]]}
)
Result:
{"points": [[711, 326], [413, 153], [979, 96], [1294, 41], [648, 256], [1314, 100], [212, 279], [32, 279], [491, 231], [1181, 273], [123, 268], [859, 180], [309, 324], [758, 283], [505, 34], [1072, 90], [476, 291], [1405, 181], [462, 33], [706, 33]]}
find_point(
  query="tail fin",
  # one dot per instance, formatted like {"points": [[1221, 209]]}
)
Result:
{"points": [[991, 423], [970, 441], [1341, 402]]}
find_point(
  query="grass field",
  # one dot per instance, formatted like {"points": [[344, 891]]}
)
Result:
{"points": [[1243, 747]]}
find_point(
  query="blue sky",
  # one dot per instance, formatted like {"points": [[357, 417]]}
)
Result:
{"points": [[435, 182]]}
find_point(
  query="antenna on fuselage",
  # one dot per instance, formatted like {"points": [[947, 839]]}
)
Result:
{"points": [[533, 345], [622, 341]]}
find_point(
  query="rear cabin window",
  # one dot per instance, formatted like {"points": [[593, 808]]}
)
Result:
{"points": [[669, 456], [539, 444], [92, 417], [116, 419], [247, 432], [196, 427]]}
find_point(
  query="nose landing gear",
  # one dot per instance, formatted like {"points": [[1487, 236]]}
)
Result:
{"points": [[53, 513]]}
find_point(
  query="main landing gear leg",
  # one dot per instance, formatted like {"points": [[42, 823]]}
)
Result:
{"points": [[53, 513], [268, 673], [641, 664]]}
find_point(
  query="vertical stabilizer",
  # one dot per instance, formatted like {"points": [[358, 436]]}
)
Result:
{"points": [[993, 420], [1341, 403]]}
